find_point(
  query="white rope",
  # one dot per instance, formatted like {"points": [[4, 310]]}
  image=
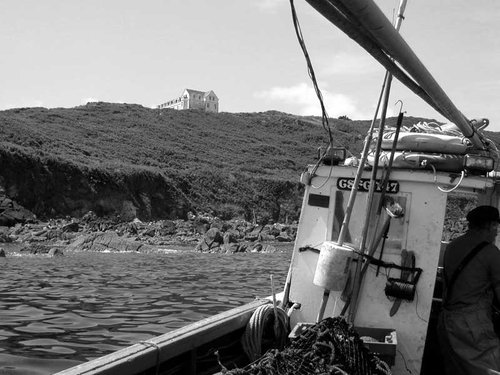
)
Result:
{"points": [[294, 307], [443, 190], [158, 352], [252, 338]]}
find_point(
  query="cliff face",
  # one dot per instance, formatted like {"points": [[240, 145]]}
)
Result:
{"points": [[130, 161], [58, 188], [53, 188]]}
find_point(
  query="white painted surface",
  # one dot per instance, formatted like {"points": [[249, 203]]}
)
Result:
{"points": [[419, 230]]}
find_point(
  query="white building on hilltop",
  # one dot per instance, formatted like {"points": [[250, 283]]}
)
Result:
{"points": [[194, 99]]}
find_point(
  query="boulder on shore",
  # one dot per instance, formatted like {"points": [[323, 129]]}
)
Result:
{"points": [[93, 233], [12, 213], [55, 252], [106, 241], [211, 241], [36, 248]]}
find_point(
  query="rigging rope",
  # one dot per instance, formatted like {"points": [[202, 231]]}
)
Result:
{"points": [[310, 70], [150, 344], [312, 75]]}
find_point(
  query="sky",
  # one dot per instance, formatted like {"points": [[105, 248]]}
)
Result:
{"points": [[65, 53]]}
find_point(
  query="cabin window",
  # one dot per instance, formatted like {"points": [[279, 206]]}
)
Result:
{"points": [[457, 207], [317, 200]]}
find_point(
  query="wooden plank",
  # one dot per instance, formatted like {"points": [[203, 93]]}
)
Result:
{"points": [[139, 357]]}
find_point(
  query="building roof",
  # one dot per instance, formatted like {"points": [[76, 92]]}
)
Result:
{"points": [[204, 93], [190, 91]]}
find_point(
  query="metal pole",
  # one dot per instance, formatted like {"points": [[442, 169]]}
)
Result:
{"points": [[352, 197]]}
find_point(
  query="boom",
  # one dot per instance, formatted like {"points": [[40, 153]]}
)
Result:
{"points": [[363, 21]]}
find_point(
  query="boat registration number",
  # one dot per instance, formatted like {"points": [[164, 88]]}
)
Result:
{"points": [[344, 183]]}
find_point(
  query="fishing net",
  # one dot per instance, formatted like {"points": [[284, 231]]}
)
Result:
{"points": [[331, 346]]}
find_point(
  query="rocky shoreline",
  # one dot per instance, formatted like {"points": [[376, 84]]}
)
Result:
{"points": [[202, 232], [22, 232]]}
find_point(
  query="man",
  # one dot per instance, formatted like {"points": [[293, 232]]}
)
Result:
{"points": [[468, 341]]}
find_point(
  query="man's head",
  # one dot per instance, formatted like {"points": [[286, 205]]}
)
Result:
{"points": [[484, 218]]}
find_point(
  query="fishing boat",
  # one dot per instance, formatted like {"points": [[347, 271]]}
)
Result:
{"points": [[369, 242]]}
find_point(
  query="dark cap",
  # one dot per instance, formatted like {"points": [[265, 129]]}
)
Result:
{"points": [[483, 214]]}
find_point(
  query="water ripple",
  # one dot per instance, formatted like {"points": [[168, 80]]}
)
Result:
{"points": [[84, 305]]}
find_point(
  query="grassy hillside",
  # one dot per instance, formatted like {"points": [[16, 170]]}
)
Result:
{"points": [[120, 135], [128, 160]]}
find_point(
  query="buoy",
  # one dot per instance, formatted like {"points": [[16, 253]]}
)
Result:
{"points": [[332, 268]]}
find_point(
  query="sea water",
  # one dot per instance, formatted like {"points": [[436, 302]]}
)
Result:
{"points": [[57, 312]]}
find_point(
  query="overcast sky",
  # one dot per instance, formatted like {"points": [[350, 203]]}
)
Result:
{"points": [[63, 53]]}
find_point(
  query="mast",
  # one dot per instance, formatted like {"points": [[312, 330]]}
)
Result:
{"points": [[385, 94], [383, 98]]}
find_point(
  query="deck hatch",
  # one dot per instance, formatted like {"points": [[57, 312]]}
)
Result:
{"points": [[319, 200], [345, 183]]}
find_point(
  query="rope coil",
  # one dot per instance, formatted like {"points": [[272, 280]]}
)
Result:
{"points": [[400, 289], [256, 328]]}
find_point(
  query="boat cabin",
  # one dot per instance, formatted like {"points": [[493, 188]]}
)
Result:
{"points": [[415, 232]]}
